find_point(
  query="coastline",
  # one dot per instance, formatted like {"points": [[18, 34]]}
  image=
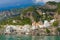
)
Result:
{"points": [[33, 32]]}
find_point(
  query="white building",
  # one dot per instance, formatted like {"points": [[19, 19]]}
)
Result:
{"points": [[26, 28], [51, 21], [46, 23], [9, 28]]}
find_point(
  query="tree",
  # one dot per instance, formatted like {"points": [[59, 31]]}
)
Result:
{"points": [[58, 29], [58, 10], [52, 2], [48, 31], [56, 23]]}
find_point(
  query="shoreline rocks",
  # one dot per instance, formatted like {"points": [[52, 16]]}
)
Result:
{"points": [[34, 32]]}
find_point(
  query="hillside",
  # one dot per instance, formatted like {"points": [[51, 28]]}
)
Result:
{"points": [[31, 14]]}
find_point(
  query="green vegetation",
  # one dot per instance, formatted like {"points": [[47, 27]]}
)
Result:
{"points": [[58, 10], [46, 17], [18, 20], [47, 30], [37, 17], [0, 26], [47, 9], [31, 9], [51, 3], [26, 21], [58, 29], [56, 23], [23, 21]]}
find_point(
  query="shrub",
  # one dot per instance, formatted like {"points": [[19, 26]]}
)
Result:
{"points": [[55, 23], [47, 30], [58, 29]]}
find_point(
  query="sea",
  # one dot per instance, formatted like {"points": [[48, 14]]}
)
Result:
{"points": [[10, 4], [26, 37]]}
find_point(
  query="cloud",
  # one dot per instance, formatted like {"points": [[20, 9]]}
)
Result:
{"points": [[47, 0], [51, 0], [57, 0], [36, 1]]}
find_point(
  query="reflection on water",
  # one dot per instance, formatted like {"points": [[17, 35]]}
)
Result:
{"points": [[25, 37]]}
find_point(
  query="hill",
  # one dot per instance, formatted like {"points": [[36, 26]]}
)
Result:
{"points": [[31, 14]]}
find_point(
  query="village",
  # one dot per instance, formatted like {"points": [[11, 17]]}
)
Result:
{"points": [[34, 29]]}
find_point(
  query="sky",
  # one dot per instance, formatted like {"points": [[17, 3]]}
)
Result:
{"points": [[11, 3], [16, 1], [46, 0]]}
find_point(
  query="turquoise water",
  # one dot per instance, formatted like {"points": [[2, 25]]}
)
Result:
{"points": [[25, 37]]}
